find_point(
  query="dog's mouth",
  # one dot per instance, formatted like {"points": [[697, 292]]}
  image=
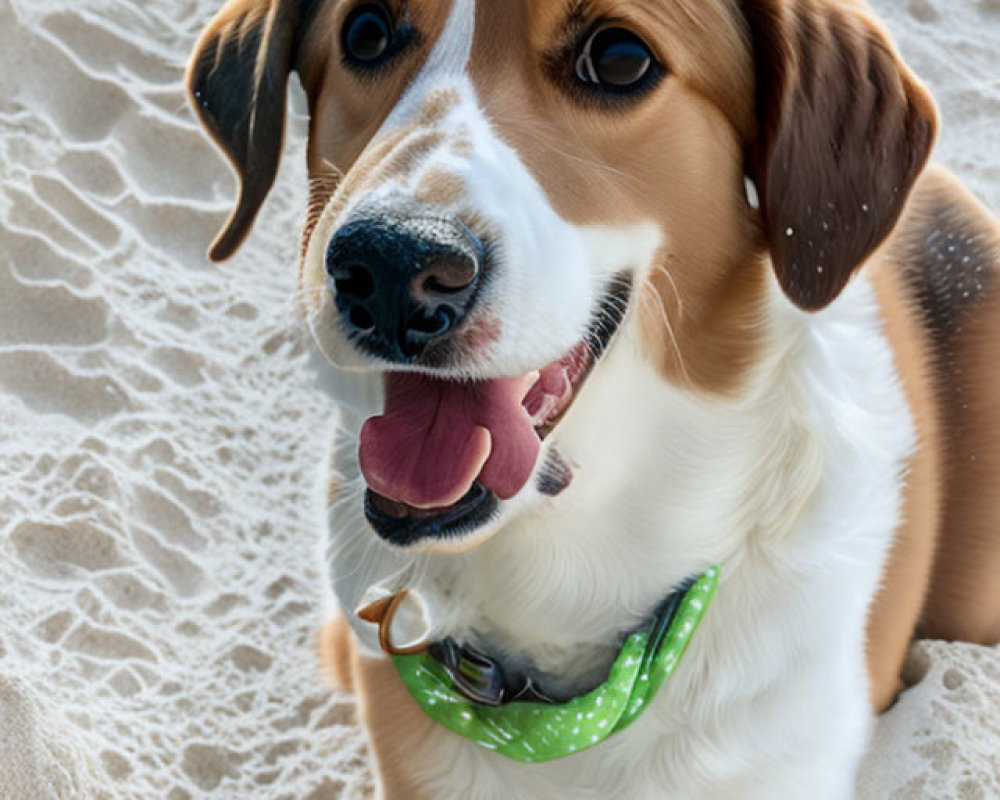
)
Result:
{"points": [[445, 452]]}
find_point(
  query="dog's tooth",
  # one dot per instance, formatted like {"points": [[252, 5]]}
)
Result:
{"points": [[528, 382], [545, 409], [556, 381]]}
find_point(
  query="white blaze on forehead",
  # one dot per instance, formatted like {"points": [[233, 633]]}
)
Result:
{"points": [[448, 60]]}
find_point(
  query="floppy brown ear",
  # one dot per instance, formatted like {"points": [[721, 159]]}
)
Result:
{"points": [[844, 131], [238, 80]]}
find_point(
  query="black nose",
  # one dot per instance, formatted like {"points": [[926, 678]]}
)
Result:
{"points": [[402, 283]]}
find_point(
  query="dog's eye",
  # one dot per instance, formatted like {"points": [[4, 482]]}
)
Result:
{"points": [[367, 34], [614, 59]]}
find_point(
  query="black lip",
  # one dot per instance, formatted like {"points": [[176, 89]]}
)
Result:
{"points": [[610, 315], [471, 512]]}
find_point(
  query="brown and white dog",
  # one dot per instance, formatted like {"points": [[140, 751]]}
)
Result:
{"points": [[619, 290]]}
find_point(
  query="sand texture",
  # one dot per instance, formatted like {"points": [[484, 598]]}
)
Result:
{"points": [[161, 435]]}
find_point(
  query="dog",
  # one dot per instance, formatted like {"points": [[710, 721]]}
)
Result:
{"points": [[617, 292]]}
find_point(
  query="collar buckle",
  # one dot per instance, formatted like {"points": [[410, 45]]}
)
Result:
{"points": [[477, 677]]}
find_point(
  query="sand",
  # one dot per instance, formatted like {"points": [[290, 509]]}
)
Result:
{"points": [[162, 431]]}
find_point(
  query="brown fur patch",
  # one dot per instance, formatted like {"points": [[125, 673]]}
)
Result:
{"points": [[436, 106], [906, 576], [440, 188], [405, 159], [706, 337], [462, 148], [337, 653], [397, 727]]}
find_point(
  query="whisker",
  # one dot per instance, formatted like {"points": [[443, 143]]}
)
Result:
{"points": [[673, 285], [654, 297]]}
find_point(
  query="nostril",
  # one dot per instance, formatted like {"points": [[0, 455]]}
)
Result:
{"points": [[361, 318], [354, 280], [435, 323], [448, 275], [431, 285]]}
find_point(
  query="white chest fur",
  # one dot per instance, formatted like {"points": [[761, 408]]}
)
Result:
{"points": [[794, 489]]}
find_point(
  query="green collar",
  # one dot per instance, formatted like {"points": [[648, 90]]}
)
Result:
{"points": [[532, 732]]}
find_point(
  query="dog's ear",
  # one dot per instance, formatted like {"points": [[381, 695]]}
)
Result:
{"points": [[844, 129], [238, 80]]}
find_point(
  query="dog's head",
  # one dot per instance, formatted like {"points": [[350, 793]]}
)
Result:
{"points": [[502, 189]]}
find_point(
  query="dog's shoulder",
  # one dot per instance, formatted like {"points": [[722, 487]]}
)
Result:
{"points": [[947, 248]]}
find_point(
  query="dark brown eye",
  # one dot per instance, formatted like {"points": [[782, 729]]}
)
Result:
{"points": [[614, 59], [367, 34]]}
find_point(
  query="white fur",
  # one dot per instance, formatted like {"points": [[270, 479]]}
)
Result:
{"points": [[795, 489]]}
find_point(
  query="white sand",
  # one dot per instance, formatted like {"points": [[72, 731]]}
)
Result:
{"points": [[161, 434]]}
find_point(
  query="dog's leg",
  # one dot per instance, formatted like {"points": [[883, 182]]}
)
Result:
{"points": [[906, 577], [397, 728], [394, 723], [964, 603], [336, 652], [952, 253]]}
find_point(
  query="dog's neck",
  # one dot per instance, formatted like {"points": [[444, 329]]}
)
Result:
{"points": [[667, 482]]}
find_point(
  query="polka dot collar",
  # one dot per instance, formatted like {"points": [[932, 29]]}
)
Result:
{"points": [[533, 732]]}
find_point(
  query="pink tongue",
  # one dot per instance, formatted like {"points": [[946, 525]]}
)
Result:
{"points": [[438, 437]]}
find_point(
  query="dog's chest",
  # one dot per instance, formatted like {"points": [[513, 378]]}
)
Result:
{"points": [[747, 693], [774, 676]]}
